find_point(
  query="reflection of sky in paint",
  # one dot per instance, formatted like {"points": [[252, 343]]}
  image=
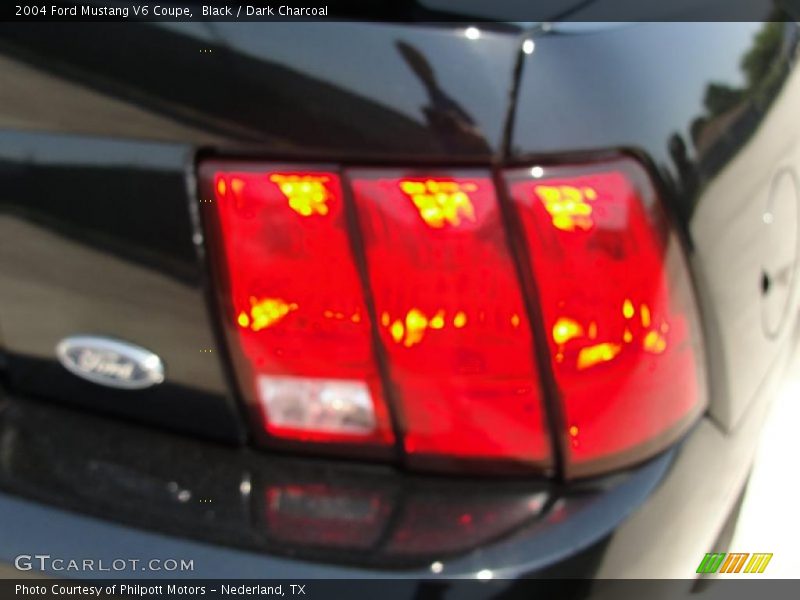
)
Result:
{"points": [[654, 84], [689, 68], [47, 148]]}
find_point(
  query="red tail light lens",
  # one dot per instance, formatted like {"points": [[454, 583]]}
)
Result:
{"points": [[451, 317], [449, 314], [294, 306], [617, 306]]}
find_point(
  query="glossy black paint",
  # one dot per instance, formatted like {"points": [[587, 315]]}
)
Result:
{"points": [[97, 239], [100, 129], [217, 494], [310, 88]]}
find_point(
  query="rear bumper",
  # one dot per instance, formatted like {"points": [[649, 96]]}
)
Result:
{"points": [[98, 488]]}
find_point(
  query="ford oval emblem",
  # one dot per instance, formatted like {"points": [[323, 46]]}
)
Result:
{"points": [[110, 362]]}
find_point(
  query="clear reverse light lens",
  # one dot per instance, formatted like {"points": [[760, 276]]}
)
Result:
{"points": [[321, 405]]}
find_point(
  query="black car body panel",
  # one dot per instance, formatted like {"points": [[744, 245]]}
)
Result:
{"points": [[101, 128], [334, 89]]}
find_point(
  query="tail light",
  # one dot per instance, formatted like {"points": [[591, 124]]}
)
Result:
{"points": [[451, 316], [294, 306], [617, 307], [327, 276]]}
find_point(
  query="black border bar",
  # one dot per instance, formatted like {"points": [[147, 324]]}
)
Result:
{"points": [[510, 14]]}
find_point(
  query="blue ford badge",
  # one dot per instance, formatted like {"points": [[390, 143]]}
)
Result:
{"points": [[110, 362]]}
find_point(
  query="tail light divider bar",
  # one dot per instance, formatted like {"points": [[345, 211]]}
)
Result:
{"points": [[530, 297], [357, 248]]}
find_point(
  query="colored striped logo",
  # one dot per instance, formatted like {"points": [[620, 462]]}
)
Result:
{"points": [[733, 562]]}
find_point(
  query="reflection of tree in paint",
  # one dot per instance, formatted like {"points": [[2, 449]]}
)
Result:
{"points": [[732, 113], [445, 116], [687, 173], [761, 68]]}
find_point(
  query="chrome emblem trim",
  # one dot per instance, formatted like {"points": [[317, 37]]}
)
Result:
{"points": [[110, 362]]}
